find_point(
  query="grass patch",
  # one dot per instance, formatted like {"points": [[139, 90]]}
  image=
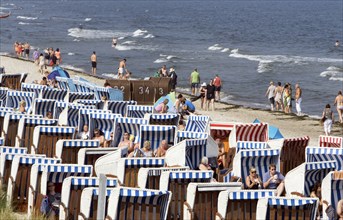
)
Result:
{"points": [[5, 211]]}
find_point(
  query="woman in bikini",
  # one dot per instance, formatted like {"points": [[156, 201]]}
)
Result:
{"points": [[339, 105]]}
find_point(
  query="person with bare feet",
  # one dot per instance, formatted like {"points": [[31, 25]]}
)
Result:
{"points": [[339, 104], [93, 60]]}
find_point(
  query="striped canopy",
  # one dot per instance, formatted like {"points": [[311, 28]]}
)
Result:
{"points": [[129, 125], [195, 151], [138, 111], [317, 154], [197, 123], [80, 95], [102, 121], [15, 97], [118, 107], [155, 134], [51, 93], [42, 106], [332, 189], [330, 141], [182, 135], [36, 88], [251, 145]]}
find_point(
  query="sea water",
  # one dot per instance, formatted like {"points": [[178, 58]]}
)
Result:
{"points": [[248, 43]]}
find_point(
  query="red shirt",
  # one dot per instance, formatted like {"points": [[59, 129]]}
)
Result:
{"points": [[217, 81]]}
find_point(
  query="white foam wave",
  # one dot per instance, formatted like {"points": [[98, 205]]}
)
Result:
{"points": [[123, 47], [72, 68], [110, 75], [94, 34], [27, 18], [71, 54], [149, 36], [129, 42], [215, 47], [264, 66], [24, 23], [225, 50], [88, 19], [139, 33], [76, 40], [333, 73], [4, 53], [121, 38], [161, 60]]}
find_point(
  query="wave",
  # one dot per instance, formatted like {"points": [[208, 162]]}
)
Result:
{"points": [[88, 19], [24, 23], [94, 34], [129, 42], [166, 58], [27, 18], [161, 60], [225, 50], [71, 54], [139, 32], [149, 36], [215, 47], [72, 68], [264, 67], [110, 75], [333, 73]]}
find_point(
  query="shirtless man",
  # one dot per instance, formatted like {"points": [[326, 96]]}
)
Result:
{"points": [[162, 149], [122, 68], [93, 60], [298, 99], [339, 105]]}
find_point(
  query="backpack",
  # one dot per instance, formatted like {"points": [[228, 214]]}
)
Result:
{"points": [[45, 208]]}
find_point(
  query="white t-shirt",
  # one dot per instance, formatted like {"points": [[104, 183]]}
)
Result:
{"points": [[271, 91]]}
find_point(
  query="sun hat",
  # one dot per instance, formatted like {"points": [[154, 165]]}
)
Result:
{"points": [[203, 84]]}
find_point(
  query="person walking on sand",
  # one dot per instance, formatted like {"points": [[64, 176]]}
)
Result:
{"points": [[122, 68], [339, 104], [93, 60], [271, 94], [194, 80], [278, 97], [217, 82], [298, 99], [210, 95], [327, 119]]}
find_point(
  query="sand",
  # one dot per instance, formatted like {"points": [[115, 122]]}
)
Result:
{"points": [[290, 125]]}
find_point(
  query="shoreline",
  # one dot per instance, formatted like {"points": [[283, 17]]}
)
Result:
{"points": [[290, 125]]}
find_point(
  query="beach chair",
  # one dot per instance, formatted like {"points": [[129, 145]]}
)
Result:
{"points": [[84, 116], [65, 84], [129, 125], [3, 95], [240, 204], [55, 173], [118, 107], [67, 150], [293, 153], [251, 145], [287, 208], [26, 128], [202, 199], [59, 107], [19, 180], [13, 81], [323, 154], [133, 203], [177, 182], [15, 97], [128, 168], [51, 93], [138, 111], [43, 106], [163, 119], [155, 134], [72, 188], [3, 112], [10, 127], [108, 163], [330, 141], [36, 88], [302, 178], [72, 96], [332, 189], [149, 178], [102, 121], [249, 132], [46, 137], [89, 202], [97, 103], [190, 152], [183, 135], [6, 156], [197, 123], [70, 114]]}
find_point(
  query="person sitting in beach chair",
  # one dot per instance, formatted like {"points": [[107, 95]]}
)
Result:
{"points": [[274, 180], [84, 135], [144, 152], [50, 205], [331, 212], [99, 135], [22, 106], [127, 142], [162, 149], [253, 181], [316, 192]]}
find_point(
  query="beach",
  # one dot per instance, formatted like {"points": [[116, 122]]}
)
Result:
{"points": [[290, 125]]}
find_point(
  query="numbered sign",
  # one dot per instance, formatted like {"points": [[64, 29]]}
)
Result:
{"points": [[143, 92], [123, 85]]}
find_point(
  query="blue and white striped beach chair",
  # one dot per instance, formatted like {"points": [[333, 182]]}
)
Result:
{"points": [[302, 178], [89, 156], [177, 182], [128, 168], [155, 134], [97, 103], [89, 201], [10, 127], [46, 137], [108, 163], [43, 106], [133, 203], [251, 145], [59, 107], [118, 107], [202, 199], [149, 178], [163, 119], [65, 83], [71, 194], [261, 160], [102, 121], [197, 123], [51, 93], [19, 181], [6, 156], [84, 115], [36, 88], [318, 154], [3, 95], [138, 111], [67, 150], [182, 135], [41, 174], [240, 204], [72, 96], [3, 112], [332, 189], [70, 114], [287, 208], [26, 128], [15, 97], [129, 125]]}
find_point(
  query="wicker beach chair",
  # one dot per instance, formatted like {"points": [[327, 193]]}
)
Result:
{"points": [[240, 204], [14, 98], [72, 96], [3, 95], [323, 154], [155, 134], [6, 156], [36, 88], [118, 107], [163, 119], [102, 121], [55, 94], [332, 189], [43, 106], [65, 84], [70, 114], [330, 141], [84, 116], [138, 111], [257, 132], [13, 81]]}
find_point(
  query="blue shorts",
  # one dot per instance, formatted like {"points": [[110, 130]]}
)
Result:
{"points": [[195, 85]]}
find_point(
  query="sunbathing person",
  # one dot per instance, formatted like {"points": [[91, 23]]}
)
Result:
{"points": [[144, 152], [162, 149], [274, 180], [331, 212], [253, 181], [126, 142], [84, 135], [204, 165], [98, 135], [22, 106]]}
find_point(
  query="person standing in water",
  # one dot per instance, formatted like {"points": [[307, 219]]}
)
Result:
{"points": [[298, 99], [93, 60], [337, 43], [114, 42], [122, 68]]}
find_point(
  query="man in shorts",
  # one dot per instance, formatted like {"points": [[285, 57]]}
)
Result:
{"points": [[194, 79], [217, 82], [93, 60], [271, 94], [122, 68]]}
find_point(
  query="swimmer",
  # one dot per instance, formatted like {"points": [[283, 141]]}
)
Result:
{"points": [[114, 42], [337, 43]]}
